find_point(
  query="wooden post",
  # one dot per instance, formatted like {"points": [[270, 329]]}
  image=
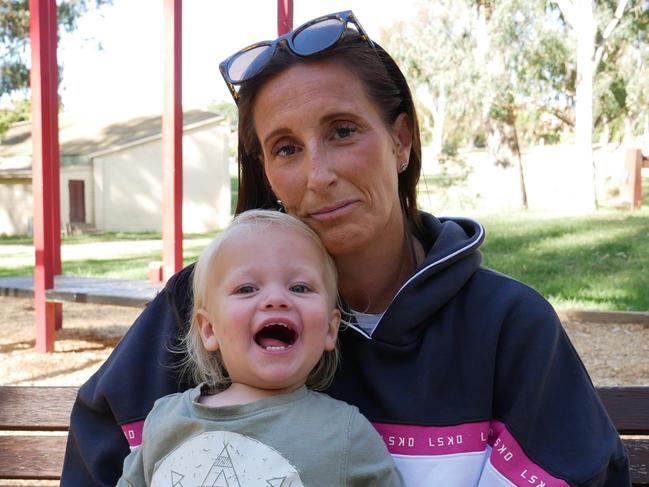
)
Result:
{"points": [[284, 17], [172, 140], [45, 166], [633, 179]]}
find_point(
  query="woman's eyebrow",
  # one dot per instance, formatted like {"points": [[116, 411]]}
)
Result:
{"points": [[326, 118], [347, 114], [277, 132]]}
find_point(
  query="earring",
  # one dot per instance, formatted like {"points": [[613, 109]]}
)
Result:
{"points": [[403, 167], [280, 206]]}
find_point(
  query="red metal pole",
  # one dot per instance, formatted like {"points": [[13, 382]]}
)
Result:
{"points": [[45, 164], [53, 87], [172, 140], [284, 16]]}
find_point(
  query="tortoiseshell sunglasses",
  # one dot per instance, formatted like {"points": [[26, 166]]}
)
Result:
{"points": [[315, 36]]}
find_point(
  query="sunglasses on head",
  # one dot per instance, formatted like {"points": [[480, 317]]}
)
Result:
{"points": [[315, 36]]}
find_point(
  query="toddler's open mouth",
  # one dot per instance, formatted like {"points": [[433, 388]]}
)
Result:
{"points": [[276, 336]]}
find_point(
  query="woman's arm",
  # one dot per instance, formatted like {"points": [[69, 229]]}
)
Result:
{"points": [[549, 426], [121, 393]]}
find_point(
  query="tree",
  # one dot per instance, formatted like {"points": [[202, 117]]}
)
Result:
{"points": [[593, 32], [483, 65], [435, 51], [620, 96], [14, 43]]}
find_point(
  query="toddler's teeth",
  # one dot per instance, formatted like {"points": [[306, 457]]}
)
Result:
{"points": [[276, 348]]}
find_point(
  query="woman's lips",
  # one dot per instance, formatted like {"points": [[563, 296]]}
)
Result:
{"points": [[333, 211]]}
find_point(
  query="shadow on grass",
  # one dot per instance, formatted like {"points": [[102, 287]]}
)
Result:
{"points": [[595, 262]]}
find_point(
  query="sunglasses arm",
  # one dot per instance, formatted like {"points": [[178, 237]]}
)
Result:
{"points": [[231, 87], [235, 95]]}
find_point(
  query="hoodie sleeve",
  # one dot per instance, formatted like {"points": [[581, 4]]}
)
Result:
{"points": [[113, 403], [550, 427]]}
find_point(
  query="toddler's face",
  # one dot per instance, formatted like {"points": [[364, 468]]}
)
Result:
{"points": [[269, 311]]}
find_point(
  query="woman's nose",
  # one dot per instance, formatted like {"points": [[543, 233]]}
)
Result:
{"points": [[321, 175]]}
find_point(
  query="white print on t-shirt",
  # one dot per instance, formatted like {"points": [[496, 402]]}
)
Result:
{"points": [[224, 459]]}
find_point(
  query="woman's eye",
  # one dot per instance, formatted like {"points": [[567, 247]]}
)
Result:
{"points": [[300, 288], [247, 289], [284, 150], [344, 130]]}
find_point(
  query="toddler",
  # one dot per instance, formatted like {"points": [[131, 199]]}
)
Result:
{"points": [[261, 341]]}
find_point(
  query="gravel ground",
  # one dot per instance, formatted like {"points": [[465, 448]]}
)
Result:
{"points": [[614, 354]]}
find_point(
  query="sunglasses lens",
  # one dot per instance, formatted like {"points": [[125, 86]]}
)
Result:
{"points": [[317, 37], [249, 63]]}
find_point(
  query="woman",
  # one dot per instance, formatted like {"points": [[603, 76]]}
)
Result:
{"points": [[466, 373]]}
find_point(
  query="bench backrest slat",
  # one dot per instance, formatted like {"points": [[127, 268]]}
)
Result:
{"points": [[628, 408], [31, 457], [27, 408], [639, 460]]}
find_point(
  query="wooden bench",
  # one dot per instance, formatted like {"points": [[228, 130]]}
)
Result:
{"points": [[34, 422], [33, 431]]}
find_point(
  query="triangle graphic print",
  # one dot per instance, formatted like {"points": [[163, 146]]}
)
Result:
{"points": [[222, 472]]}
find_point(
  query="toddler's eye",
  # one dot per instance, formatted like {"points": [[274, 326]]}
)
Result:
{"points": [[300, 288], [247, 289]]}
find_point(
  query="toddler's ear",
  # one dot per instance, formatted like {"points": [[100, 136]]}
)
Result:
{"points": [[206, 329], [332, 330]]}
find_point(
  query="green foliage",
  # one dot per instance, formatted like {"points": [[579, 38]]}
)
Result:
{"points": [[14, 36], [436, 51], [620, 95], [19, 113], [229, 110], [493, 58], [14, 41]]}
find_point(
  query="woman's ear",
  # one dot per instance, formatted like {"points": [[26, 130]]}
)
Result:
{"points": [[206, 329], [402, 134], [332, 330]]}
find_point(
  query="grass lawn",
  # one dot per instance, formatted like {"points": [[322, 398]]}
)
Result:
{"points": [[127, 263], [600, 261]]}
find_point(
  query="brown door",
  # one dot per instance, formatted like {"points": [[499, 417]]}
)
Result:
{"points": [[77, 201]]}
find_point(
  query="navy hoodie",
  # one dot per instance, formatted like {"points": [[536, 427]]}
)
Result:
{"points": [[469, 378]]}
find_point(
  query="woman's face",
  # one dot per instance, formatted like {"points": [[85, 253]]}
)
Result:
{"points": [[329, 156]]}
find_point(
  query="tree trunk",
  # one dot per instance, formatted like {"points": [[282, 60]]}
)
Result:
{"points": [[504, 150], [585, 197], [500, 122], [439, 118]]}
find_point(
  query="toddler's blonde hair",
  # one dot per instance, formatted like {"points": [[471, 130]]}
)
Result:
{"points": [[203, 366]]}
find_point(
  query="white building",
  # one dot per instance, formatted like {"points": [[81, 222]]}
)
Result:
{"points": [[110, 174]]}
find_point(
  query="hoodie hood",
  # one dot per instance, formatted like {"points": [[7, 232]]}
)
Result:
{"points": [[452, 257]]}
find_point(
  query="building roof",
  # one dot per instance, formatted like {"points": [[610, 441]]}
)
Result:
{"points": [[83, 137]]}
